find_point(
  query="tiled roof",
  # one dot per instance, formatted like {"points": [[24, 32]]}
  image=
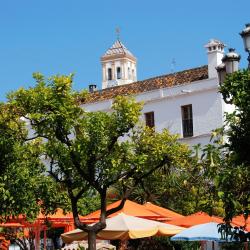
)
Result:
{"points": [[118, 48], [159, 82]]}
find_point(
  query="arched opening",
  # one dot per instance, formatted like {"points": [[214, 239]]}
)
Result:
{"points": [[109, 74], [118, 73], [129, 73], [133, 74]]}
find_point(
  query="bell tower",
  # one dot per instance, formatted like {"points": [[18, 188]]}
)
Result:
{"points": [[118, 66]]}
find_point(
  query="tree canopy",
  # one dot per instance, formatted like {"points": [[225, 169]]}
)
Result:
{"points": [[61, 155], [236, 91], [91, 151], [234, 180], [23, 184], [188, 189]]}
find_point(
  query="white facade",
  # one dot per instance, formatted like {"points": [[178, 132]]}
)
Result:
{"points": [[166, 103], [207, 103]]}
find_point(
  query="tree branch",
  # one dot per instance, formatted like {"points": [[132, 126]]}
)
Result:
{"points": [[137, 181], [33, 138], [116, 209]]}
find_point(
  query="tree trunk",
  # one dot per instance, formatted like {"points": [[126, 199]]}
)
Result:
{"points": [[91, 240]]}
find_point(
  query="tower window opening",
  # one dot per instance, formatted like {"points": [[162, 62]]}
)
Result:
{"points": [[109, 74], [118, 73], [129, 73], [133, 74]]}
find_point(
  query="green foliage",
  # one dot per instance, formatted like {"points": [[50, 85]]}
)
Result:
{"points": [[24, 188], [236, 91], [89, 203], [20, 168], [89, 152], [161, 186], [233, 246], [188, 185], [235, 177]]}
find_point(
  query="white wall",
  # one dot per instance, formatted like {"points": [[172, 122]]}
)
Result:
{"points": [[207, 112], [207, 106]]}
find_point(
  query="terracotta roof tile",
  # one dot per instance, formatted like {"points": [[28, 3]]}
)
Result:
{"points": [[158, 82]]}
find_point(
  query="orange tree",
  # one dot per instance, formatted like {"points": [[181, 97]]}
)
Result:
{"points": [[91, 151], [22, 182], [24, 189], [234, 180]]}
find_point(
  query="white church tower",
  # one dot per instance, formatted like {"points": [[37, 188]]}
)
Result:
{"points": [[118, 66]]}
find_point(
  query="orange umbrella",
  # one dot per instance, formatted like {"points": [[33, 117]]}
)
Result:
{"points": [[130, 208], [11, 224], [240, 221], [58, 219], [58, 216], [195, 219], [164, 212], [4, 244]]}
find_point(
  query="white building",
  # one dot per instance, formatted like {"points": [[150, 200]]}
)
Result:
{"points": [[186, 102]]}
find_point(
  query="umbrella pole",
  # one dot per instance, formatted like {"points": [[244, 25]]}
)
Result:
{"points": [[213, 245], [123, 245], [45, 238], [246, 245], [202, 245], [37, 237]]}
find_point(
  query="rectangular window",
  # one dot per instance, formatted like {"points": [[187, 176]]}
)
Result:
{"points": [[150, 119], [187, 120]]}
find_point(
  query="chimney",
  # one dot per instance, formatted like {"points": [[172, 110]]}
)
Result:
{"points": [[231, 61], [215, 52], [92, 88]]}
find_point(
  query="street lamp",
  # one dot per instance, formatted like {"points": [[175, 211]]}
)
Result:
{"points": [[230, 62], [245, 34]]}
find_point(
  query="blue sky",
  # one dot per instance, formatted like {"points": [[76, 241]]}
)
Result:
{"points": [[63, 36]]}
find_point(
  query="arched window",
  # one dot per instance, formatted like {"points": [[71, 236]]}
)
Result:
{"points": [[109, 74], [133, 74], [118, 72]]}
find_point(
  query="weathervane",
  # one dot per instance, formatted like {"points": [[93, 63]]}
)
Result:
{"points": [[117, 31], [173, 64]]}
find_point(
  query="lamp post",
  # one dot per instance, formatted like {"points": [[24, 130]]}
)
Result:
{"points": [[245, 34], [230, 62]]}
